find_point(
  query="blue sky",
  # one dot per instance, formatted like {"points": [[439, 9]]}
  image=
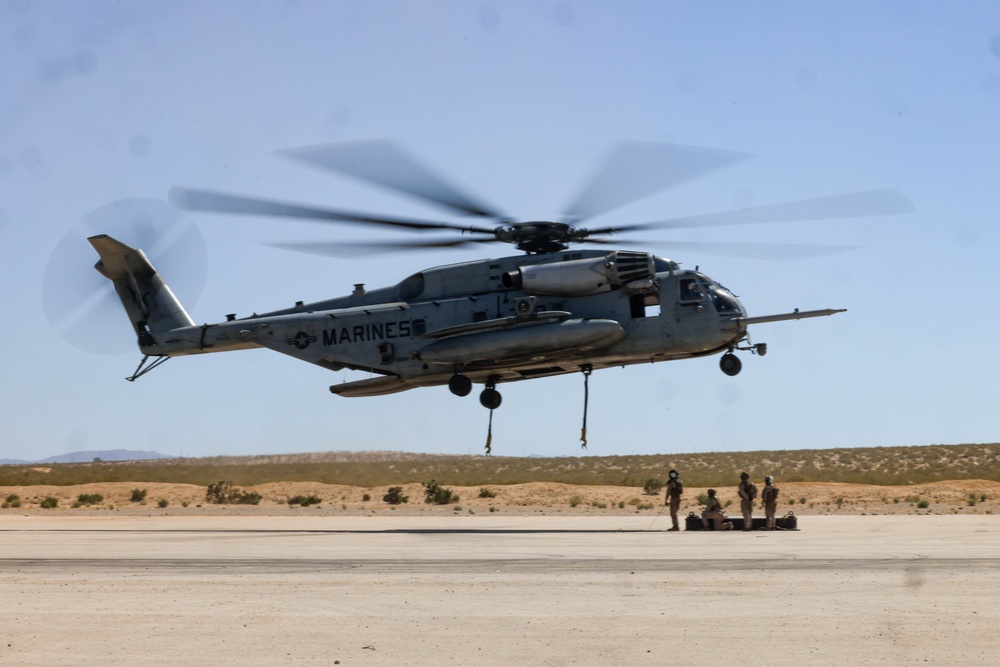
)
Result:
{"points": [[517, 102]]}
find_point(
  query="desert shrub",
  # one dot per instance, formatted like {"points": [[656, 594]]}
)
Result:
{"points": [[223, 492], [652, 487], [305, 501], [13, 500], [365, 498], [923, 504], [644, 506], [487, 493], [728, 503], [248, 498], [791, 501], [138, 495], [493, 509], [49, 503], [435, 494], [162, 502], [394, 496], [621, 504], [90, 499], [575, 500], [219, 492], [702, 498], [599, 505]]}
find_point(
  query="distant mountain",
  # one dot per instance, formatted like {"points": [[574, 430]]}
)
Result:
{"points": [[89, 456]]}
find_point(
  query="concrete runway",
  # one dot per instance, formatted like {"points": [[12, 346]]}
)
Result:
{"points": [[496, 590]]}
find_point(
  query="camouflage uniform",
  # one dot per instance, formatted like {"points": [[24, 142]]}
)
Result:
{"points": [[675, 489], [748, 492], [713, 511], [769, 497]]}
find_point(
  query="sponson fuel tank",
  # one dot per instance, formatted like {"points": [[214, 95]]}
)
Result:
{"points": [[526, 341]]}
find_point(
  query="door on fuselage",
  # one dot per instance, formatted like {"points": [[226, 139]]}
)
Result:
{"points": [[644, 327]]}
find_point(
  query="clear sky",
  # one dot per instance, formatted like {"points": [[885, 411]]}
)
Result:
{"points": [[516, 102]]}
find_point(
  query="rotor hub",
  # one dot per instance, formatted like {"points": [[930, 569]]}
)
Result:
{"points": [[538, 236]]}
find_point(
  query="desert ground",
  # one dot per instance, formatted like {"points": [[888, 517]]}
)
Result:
{"points": [[522, 587], [533, 574], [951, 497]]}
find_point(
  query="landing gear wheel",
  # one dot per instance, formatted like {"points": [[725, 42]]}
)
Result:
{"points": [[460, 385], [490, 399], [730, 364]]}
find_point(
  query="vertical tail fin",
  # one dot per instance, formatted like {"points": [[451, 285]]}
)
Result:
{"points": [[150, 304]]}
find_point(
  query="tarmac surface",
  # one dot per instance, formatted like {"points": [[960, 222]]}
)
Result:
{"points": [[496, 590]]}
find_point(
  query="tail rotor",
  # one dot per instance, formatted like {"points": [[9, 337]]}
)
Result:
{"points": [[81, 304]]}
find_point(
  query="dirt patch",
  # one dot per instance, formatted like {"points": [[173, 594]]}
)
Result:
{"points": [[953, 497]]}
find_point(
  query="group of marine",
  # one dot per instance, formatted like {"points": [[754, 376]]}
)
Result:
{"points": [[713, 508]]}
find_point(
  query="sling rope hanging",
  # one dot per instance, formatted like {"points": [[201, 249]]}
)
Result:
{"points": [[489, 436], [587, 370]]}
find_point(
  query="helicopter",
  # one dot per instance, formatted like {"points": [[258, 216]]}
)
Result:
{"points": [[553, 309]]}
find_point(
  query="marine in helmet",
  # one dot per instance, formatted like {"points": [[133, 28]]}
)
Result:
{"points": [[713, 512], [675, 489], [748, 493], [769, 499]]}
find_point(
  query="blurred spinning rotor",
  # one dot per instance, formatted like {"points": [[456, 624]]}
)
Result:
{"points": [[632, 171], [82, 305]]}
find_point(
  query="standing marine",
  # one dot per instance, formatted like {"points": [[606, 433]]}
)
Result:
{"points": [[769, 498], [675, 489], [748, 493]]}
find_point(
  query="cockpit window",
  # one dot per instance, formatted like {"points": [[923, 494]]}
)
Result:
{"points": [[691, 290]]}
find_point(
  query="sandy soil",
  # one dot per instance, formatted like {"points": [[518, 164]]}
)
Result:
{"points": [[954, 497], [100, 588]]}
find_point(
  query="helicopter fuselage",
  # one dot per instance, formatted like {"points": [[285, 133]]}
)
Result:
{"points": [[495, 320]]}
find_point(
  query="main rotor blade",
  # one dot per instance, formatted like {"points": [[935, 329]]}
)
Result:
{"points": [[382, 163], [352, 248], [217, 202], [851, 205], [638, 169], [771, 251]]}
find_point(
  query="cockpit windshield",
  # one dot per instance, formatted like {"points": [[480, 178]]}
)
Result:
{"points": [[698, 288], [724, 301]]}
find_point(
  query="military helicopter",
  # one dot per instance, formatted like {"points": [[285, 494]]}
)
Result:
{"points": [[551, 310]]}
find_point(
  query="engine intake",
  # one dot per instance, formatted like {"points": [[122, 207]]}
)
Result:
{"points": [[581, 277]]}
